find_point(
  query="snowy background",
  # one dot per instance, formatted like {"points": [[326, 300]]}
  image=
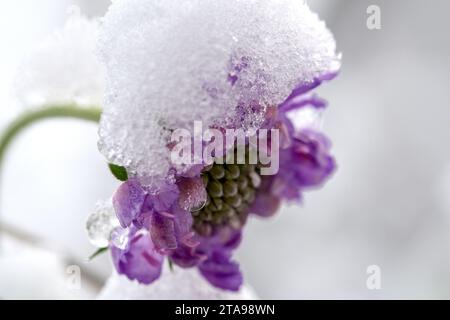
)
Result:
{"points": [[388, 204]]}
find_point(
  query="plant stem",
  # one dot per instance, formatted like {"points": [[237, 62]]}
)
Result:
{"points": [[30, 117]]}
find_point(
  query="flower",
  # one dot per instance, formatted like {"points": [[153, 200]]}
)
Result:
{"points": [[218, 268], [138, 260], [250, 68], [175, 228], [158, 212], [305, 161]]}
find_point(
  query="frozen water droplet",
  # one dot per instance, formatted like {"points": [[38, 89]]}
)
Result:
{"points": [[119, 238], [101, 223]]}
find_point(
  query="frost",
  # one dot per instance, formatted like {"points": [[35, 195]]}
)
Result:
{"points": [[222, 62], [101, 224], [64, 68]]}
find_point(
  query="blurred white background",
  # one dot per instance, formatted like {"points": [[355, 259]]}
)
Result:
{"points": [[387, 205]]}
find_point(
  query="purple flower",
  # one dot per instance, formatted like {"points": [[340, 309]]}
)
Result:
{"points": [[165, 228], [187, 256], [139, 260], [219, 268], [305, 161], [166, 215], [308, 159], [128, 201], [194, 213], [165, 219], [159, 212], [267, 202]]}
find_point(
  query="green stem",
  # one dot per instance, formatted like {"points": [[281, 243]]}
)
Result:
{"points": [[30, 117]]}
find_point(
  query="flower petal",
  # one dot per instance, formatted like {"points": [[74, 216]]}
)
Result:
{"points": [[312, 162], [139, 260], [265, 205], [128, 201], [317, 81], [187, 257], [162, 231], [218, 268], [221, 272], [163, 198]]}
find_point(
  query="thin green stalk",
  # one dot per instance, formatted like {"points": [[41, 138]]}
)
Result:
{"points": [[31, 117]]}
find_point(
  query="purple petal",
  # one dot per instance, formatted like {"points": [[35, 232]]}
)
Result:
{"points": [[163, 199], [306, 163], [313, 164], [187, 256], [225, 239], [284, 186], [221, 272], [162, 230], [265, 205], [183, 224], [218, 268], [139, 260], [285, 125], [128, 201], [298, 102], [304, 88]]}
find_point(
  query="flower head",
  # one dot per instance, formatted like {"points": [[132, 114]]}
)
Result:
{"points": [[239, 64]]}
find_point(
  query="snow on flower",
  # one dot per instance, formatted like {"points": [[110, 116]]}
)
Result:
{"points": [[240, 64], [170, 63]]}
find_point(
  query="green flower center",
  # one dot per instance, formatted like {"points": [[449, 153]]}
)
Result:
{"points": [[231, 190]]}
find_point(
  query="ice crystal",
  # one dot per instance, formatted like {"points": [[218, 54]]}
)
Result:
{"points": [[101, 224]]}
